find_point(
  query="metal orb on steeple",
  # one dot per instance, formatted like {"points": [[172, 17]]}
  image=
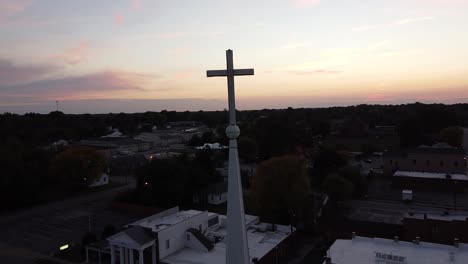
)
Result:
{"points": [[232, 131]]}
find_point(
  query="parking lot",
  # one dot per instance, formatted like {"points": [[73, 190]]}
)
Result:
{"points": [[44, 229]]}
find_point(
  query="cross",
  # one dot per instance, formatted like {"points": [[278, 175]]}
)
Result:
{"points": [[230, 72]]}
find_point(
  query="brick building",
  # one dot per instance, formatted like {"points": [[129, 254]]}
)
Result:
{"points": [[436, 227]]}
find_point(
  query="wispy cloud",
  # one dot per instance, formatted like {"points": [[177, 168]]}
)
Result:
{"points": [[318, 71], [305, 3], [75, 54], [135, 4], [119, 19], [92, 85], [292, 45], [185, 34], [11, 73], [413, 20], [364, 28], [377, 45], [9, 8]]}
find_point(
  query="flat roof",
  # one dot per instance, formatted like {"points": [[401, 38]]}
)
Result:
{"points": [[439, 215], [430, 175], [260, 243], [159, 222], [361, 250]]}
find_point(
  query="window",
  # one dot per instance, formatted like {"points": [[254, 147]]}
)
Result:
{"points": [[441, 163], [455, 163], [414, 162], [428, 162], [168, 244], [391, 161], [188, 237]]}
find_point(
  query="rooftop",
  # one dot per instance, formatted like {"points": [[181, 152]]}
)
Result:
{"points": [[438, 215], [259, 242], [435, 149], [430, 175], [362, 250], [165, 219]]}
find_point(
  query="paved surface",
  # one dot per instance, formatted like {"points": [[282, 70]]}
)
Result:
{"points": [[380, 189], [41, 230]]}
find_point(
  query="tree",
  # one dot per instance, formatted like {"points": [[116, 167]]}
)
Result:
{"points": [[280, 186], [174, 181], [76, 168], [87, 239], [325, 162], [108, 231], [353, 175], [337, 187], [452, 135], [367, 149], [248, 148]]}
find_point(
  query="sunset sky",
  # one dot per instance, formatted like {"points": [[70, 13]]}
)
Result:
{"points": [[149, 55]]}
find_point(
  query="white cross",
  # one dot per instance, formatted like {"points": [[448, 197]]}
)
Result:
{"points": [[230, 72]]}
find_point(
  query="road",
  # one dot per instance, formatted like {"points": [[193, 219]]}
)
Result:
{"points": [[41, 230]]}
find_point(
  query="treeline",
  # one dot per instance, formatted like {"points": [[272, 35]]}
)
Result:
{"points": [[292, 124]]}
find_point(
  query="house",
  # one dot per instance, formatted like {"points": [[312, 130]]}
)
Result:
{"points": [[364, 250], [214, 194], [176, 237]]}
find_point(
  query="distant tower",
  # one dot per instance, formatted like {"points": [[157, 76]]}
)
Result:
{"points": [[237, 250], [57, 105]]}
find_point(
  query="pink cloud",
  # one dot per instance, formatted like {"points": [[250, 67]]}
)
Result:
{"points": [[319, 71], [378, 97], [76, 54], [9, 8], [185, 74], [119, 19], [182, 50], [305, 3]]}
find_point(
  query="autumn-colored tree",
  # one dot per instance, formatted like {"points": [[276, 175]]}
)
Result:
{"points": [[77, 167], [279, 187]]}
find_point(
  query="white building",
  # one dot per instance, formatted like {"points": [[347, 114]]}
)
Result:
{"points": [[180, 237], [100, 181], [361, 250], [212, 146]]}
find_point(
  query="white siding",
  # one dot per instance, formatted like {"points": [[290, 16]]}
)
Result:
{"points": [[177, 235]]}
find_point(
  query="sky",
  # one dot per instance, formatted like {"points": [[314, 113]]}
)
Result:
{"points": [[149, 55]]}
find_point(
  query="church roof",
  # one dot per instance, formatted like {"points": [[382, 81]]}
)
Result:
{"points": [[136, 234]]}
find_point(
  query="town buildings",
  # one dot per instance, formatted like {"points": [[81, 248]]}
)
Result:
{"points": [[438, 167]]}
